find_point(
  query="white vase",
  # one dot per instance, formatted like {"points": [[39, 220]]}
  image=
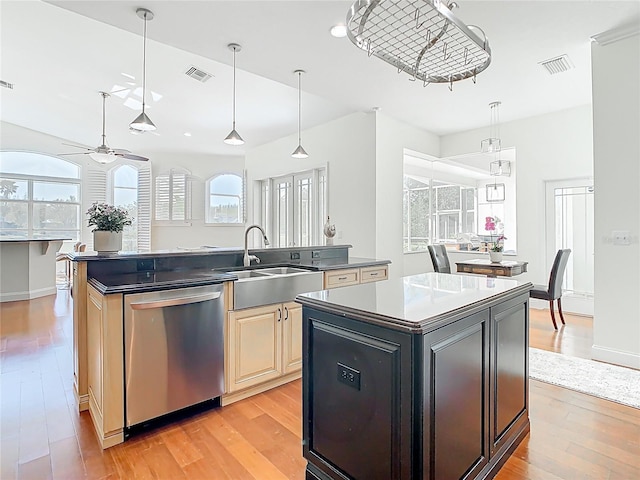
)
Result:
{"points": [[496, 257], [107, 242]]}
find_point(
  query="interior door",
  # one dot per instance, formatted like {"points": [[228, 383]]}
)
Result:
{"points": [[569, 224]]}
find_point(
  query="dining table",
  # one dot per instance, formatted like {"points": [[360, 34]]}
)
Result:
{"points": [[481, 266]]}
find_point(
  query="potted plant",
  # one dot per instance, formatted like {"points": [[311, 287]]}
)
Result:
{"points": [[109, 222], [495, 251]]}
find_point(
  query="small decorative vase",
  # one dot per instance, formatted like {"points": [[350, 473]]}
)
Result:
{"points": [[107, 242], [496, 257]]}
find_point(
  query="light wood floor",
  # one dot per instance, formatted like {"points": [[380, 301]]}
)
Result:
{"points": [[42, 435]]}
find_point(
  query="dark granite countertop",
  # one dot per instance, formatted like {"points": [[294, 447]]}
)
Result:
{"points": [[417, 303], [148, 281], [156, 280]]}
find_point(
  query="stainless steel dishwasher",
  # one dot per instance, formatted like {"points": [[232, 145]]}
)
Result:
{"points": [[174, 350]]}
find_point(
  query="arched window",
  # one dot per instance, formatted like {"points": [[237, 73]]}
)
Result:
{"points": [[225, 199], [39, 196]]}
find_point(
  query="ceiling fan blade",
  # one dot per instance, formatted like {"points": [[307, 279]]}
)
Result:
{"points": [[75, 153], [120, 151], [131, 156], [77, 146]]}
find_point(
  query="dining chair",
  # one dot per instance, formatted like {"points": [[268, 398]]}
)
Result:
{"points": [[553, 291], [439, 258]]}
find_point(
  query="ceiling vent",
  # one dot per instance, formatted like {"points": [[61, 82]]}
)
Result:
{"points": [[557, 65], [198, 74], [6, 84]]}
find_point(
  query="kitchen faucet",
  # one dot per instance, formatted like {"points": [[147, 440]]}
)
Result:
{"points": [[247, 258]]}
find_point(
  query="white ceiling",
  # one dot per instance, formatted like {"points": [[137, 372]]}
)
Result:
{"points": [[60, 54]]}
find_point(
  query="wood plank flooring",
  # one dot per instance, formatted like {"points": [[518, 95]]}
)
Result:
{"points": [[42, 436]]}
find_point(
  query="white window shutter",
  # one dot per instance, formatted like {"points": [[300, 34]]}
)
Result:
{"points": [[163, 196], [144, 209], [96, 191]]}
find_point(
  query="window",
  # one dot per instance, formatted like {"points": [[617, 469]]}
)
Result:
{"points": [[445, 201], [173, 196], [225, 199], [436, 212], [293, 208], [39, 205]]}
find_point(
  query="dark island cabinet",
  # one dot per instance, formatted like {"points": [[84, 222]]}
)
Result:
{"points": [[446, 403]]}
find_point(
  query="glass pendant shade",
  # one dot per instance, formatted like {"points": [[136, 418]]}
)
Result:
{"points": [[142, 121], [492, 144], [234, 137], [299, 152]]}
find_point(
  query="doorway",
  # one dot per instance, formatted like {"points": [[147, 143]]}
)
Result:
{"points": [[569, 224]]}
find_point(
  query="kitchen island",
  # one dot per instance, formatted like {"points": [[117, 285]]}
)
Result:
{"points": [[262, 326], [422, 377]]}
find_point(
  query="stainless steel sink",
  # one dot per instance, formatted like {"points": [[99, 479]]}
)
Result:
{"points": [[272, 285]]}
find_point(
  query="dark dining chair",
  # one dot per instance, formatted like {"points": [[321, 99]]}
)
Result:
{"points": [[439, 258], [553, 291]]}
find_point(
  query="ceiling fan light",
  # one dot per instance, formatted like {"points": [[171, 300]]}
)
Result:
{"points": [[102, 158], [299, 152], [142, 123], [233, 138]]}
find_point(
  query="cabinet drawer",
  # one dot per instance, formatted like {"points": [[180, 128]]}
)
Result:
{"points": [[373, 274], [341, 278]]}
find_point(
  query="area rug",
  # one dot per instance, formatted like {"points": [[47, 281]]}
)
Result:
{"points": [[611, 382]]}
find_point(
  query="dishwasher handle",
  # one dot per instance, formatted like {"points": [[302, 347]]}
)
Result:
{"points": [[172, 302]]}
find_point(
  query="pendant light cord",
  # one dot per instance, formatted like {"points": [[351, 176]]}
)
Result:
{"points": [[144, 61], [299, 101], [234, 88]]}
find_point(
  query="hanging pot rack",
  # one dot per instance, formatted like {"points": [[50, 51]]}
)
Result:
{"points": [[420, 37]]}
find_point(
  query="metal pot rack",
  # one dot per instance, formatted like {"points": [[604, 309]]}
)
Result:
{"points": [[420, 37]]}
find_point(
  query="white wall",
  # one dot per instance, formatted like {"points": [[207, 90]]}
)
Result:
{"points": [[392, 137], [554, 146], [616, 122], [196, 233], [347, 146]]}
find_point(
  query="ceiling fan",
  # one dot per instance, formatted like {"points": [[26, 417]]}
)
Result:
{"points": [[103, 153]]}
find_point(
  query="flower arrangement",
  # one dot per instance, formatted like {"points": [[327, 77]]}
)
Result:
{"points": [[490, 224], [108, 218]]}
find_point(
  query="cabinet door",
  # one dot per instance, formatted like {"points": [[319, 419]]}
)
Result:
{"points": [[509, 370], [95, 336], [456, 408], [254, 338], [292, 337]]}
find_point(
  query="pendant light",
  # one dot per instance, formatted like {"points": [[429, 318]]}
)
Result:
{"points": [[234, 137], [299, 152], [142, 121], [493, 144]]}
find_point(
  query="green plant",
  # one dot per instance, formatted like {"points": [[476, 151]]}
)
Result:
{"points": [[108, 218]]}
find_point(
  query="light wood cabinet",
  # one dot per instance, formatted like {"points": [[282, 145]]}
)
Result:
{"points": [[105, 366], [263, 349], [354, 276]]}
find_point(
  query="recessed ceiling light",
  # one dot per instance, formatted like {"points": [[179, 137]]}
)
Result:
{"points": [[187, 134], [339, 31]]}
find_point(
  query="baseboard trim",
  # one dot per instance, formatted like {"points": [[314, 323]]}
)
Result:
{"points": [[27, 294], [617, 357]]}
